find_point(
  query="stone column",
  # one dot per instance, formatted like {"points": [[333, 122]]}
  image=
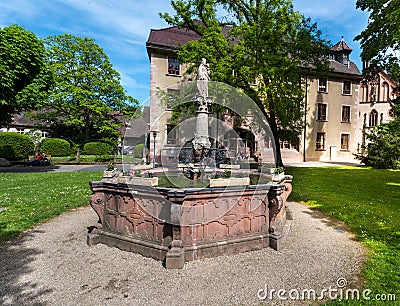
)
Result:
{"points": [[201, 139]]}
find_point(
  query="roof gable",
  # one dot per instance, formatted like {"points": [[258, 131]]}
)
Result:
{"points": [[341, 46]]}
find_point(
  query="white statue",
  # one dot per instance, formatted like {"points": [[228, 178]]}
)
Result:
{"points": [[203, 76]]}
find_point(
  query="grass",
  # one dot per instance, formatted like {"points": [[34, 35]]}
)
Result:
{"points": [[368, 201], [94, 159], [32, 198]]}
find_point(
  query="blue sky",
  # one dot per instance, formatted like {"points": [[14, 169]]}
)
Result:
{"points": [[121, 27]]}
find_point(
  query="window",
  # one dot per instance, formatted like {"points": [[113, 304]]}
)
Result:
{"points": [[173, 66], [346, 113], [322, 111], [385, 92], [347, 87], [344, 142], [172, 133], [320, 143], [323, 85], [364, 93], [373, 118], [173, 95], [20, 131]]}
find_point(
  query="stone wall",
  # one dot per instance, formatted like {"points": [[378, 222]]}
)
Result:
{"points": [[180, 225]]}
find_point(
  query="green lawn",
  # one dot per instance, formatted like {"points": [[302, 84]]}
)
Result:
{"points": [[368, 201], [32, 198], [94, 159]]}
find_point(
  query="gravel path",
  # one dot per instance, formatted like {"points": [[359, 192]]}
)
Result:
{"points": [[52, 265]]}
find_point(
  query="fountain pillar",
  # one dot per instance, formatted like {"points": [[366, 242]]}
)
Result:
{"points": [[201, 138]]}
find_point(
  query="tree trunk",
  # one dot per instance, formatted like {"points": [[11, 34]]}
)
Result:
{"points": [[274, 130]]}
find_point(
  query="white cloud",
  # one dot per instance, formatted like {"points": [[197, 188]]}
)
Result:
{"points": [[124, 18], [321, 9], [121, 27]]}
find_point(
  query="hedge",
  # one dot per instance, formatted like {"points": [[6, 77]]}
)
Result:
{"points": [[138, 150], [55, 147], [15, 146], [96, 148]]}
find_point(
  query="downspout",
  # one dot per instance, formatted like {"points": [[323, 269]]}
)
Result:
{"points": [[305, 120]]}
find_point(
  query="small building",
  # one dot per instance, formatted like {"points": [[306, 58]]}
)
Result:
{"points": [[21, 123]]}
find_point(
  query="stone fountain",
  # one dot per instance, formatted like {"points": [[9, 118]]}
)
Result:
{"points": [[179, 224]]}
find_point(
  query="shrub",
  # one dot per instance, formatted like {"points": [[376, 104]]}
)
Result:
{"points": [[138, 150], [15, 146], [382, 150], [55, 147], [96, 148]]}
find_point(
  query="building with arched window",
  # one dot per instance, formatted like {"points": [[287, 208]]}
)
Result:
{"points": [[373, 104]]}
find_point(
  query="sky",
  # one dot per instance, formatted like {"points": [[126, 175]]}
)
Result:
{"points": [[121, 28]]}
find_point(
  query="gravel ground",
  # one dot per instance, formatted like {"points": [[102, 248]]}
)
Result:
{"points": [[52, 265]]}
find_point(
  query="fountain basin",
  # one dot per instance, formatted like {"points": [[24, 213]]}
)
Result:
{"points": [[179, 225]]}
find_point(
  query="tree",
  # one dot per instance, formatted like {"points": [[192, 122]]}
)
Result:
{"points": [[260, 41], [382, 149], [380, 41], [87, 100], [21, 71]]}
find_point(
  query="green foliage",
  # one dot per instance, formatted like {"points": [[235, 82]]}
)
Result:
{"points": [[15, 146], [138, 150], [87, 100], [55, 147], [380, 40], [383, 148], [367, 201], [32, 198], [35, 136], [262, 42], [223, 174], [97, 148], [21, 70]]}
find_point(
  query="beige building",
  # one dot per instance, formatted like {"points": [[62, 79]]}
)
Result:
{"points": [[331, 120], [332, 116]]}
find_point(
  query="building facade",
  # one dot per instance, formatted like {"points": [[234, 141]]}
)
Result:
{"points": [[332, 116], [331, 120], [373, 105], [23, 124]]}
